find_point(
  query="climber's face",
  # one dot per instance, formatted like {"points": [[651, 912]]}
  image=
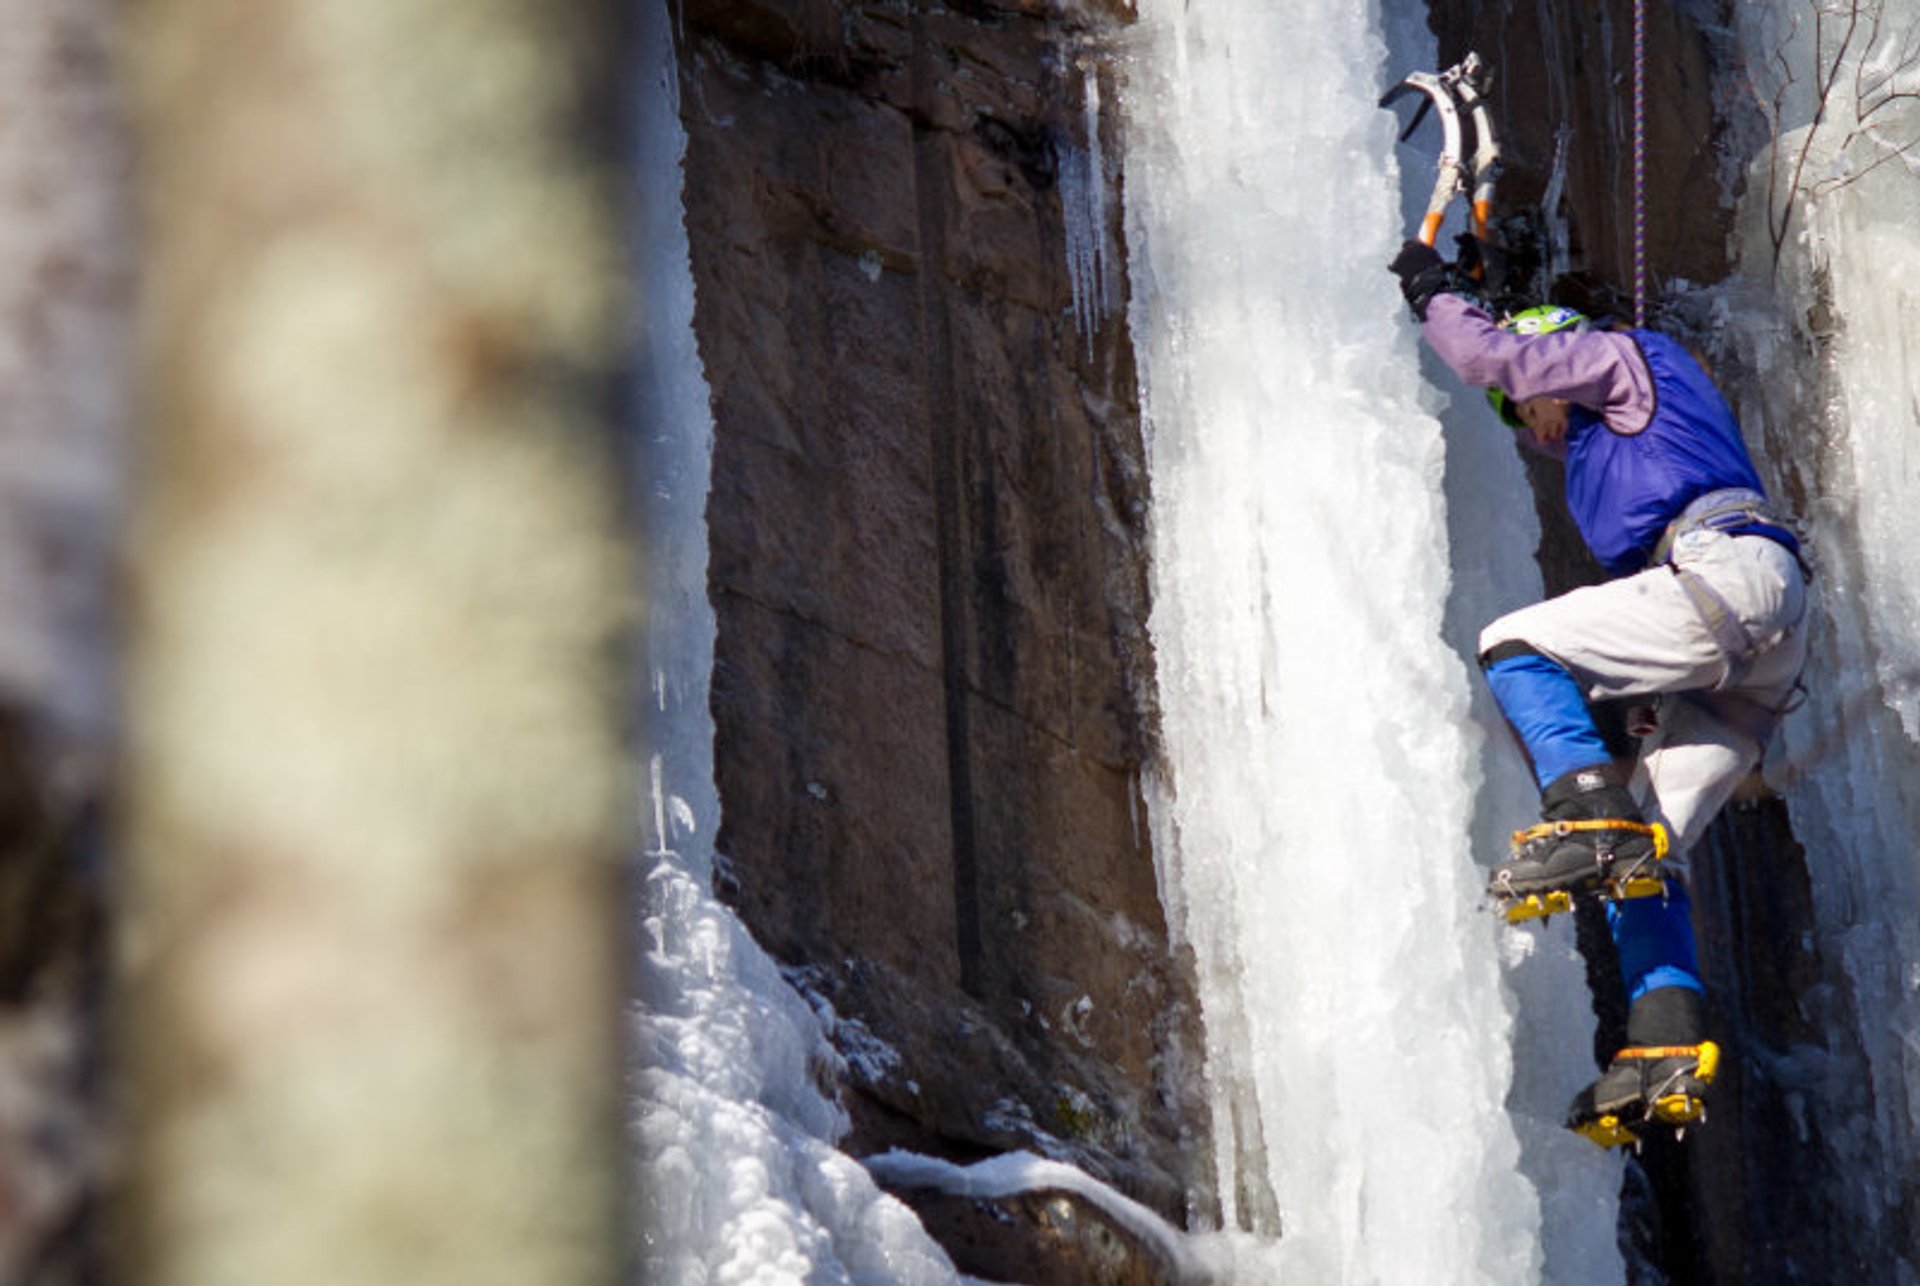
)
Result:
{"points": [[1546, 421]]}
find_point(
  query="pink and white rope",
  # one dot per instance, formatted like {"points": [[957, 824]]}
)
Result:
{"points": [[1639, 163]]}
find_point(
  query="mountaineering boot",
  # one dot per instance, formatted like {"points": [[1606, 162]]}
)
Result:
{"points": [[1592, 840], [1659, 1079]]}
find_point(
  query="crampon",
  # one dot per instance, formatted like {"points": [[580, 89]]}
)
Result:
{"points": [[1646, 1090], [1608, 874]]}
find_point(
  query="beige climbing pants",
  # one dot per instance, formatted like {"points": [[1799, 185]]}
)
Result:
{"points": [[1714, 638]]}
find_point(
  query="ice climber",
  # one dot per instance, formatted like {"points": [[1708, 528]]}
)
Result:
{"points": [[1703, 622]]}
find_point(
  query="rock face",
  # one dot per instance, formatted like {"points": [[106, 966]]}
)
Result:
{"points": [[927, 562], [1566, 71]]}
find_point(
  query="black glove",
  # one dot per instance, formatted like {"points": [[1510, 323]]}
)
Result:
{"points": [[1423, 274]]}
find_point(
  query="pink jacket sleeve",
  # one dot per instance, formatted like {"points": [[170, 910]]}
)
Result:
{"points": [[1599, 370]]}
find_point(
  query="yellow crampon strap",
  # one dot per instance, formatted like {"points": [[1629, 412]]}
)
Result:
{"points": [[1550, 830], [1707, 1053]]}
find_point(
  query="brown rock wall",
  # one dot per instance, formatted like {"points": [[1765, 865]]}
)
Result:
{"points": [[1571, 65], [927, 562]]}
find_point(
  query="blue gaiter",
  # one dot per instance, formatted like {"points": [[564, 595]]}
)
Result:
{"points": [[1549, 712], [1655, 938]]}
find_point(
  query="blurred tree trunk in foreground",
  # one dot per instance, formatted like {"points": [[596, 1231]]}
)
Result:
{"points": [[65, 304], [377, 691]]}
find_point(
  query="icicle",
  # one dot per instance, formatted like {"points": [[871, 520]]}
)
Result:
{"points": [[1085, 211], [1553, 217]]}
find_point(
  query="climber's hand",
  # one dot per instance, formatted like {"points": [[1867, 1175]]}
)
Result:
{"points": [[1423, 274]]}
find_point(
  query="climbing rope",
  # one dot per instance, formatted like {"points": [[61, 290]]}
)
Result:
{"points": [[1639, 163]]}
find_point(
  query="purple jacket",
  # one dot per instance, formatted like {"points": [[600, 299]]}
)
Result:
{"points": [[1600, 370], [1647, 432]]}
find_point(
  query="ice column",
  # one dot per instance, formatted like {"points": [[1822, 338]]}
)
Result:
{"points": [[1314, 816], [1828, 249]]}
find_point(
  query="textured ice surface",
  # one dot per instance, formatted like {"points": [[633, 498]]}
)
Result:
{"points": [[1316, 814]]}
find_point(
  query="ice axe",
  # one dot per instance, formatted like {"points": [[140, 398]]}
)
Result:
{"points": [[1458, 96]]}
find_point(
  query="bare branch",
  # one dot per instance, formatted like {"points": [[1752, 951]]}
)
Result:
{"points": [[1852, 45], [1887, 87], [1890, 153]]}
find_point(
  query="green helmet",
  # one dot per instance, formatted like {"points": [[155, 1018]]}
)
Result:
{"points": [[1543, 320]]}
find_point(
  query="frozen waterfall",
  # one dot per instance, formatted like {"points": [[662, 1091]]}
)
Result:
{"points": [[1833, 333], [1317, 818]]}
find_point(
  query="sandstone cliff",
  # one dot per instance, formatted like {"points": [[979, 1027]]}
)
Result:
{"points": [[932, 683]]}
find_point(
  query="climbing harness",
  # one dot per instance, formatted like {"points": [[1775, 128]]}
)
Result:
{"points": [[1735, 511], [1458, 97]]}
